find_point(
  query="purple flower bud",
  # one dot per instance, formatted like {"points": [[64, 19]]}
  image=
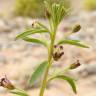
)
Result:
{"points": [[55, 46]]}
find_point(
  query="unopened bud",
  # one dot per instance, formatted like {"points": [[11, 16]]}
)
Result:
{"points": [[4, 82], [76, 28], [58, 52], [55, 56], [55, 46], [61, 54], [75, 65], [61, 47], [48, 15]]}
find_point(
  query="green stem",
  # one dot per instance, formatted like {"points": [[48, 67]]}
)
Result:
{"points": [[51, 48], [58, 73]]}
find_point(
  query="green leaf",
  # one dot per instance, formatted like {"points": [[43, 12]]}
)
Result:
{"points": [[57, 12], [19, 92], [77, 40], [43, 26], [68, 79], [48, 6], [34, 40], [72, 42], [38, 72], [29, 32]]}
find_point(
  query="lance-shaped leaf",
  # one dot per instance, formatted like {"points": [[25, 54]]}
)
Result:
{"points": [[38, 72], [72, 42], [43, 26], [32, 31], [19, 92], [48, 6], [68, 79], [58, 12], [34, 40]]}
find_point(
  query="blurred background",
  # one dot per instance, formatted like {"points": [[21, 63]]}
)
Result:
{"points": [[18, 58]]}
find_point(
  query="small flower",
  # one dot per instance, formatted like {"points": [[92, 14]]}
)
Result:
{"points": [[76, 28], [55, 56], [75, 65], [4, 82], [61, 54], [58, 52]]}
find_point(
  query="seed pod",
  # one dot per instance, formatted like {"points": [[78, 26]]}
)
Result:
{"points": [[4, 82], [76, 28], [75, 65]]}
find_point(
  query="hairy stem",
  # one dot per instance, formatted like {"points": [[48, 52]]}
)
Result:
{"points": [[51, 49]]}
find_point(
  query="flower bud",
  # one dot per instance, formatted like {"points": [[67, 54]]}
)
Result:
{"points": [[4, 82], [61, 54], [55, 46], [76, 28], [55, 56], [61, 47], [75, 65], [47, 14]]}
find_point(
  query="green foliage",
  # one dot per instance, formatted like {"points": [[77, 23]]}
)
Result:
{"points": [[68, 79], [72, 42], [38, 72], [90, 5], [33, 40], [34, 8], [19, 92], [30, 32]]}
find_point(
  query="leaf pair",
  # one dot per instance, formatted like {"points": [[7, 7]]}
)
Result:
{"points": [[39, 29], [41, 69]]}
